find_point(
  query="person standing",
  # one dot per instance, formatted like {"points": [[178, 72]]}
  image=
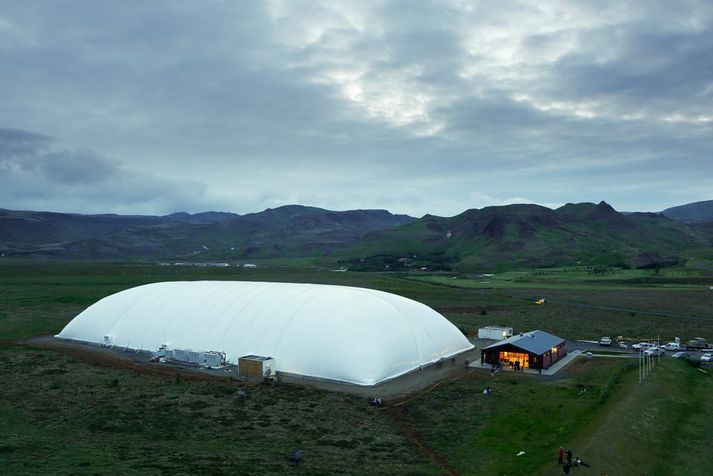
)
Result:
{"points": [[566, 467], [569, 457], [560, 456]]}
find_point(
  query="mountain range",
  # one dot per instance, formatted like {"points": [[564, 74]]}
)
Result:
{"points": [[697, 212], [288, 231], [499, 237], [524, 236]]}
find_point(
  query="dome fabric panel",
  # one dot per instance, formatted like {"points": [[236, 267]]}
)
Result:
{"points": [[348, 334]]}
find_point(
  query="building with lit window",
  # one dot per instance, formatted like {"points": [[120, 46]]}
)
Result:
{"points": [[530, 350]]}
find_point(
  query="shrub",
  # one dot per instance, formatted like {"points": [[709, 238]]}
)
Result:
{"points": [[604, 394]]}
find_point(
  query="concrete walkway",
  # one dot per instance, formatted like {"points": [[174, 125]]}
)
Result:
{"points": [[617, 356], [550, 371]]}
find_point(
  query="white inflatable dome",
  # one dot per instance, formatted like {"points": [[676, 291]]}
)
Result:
{"points": [[348, 334]]}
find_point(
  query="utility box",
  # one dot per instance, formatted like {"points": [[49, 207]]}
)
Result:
{"points": [[494, 332], [256, 366]]}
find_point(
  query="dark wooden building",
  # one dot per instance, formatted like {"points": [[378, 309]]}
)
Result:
{"points": [[534, 350]]}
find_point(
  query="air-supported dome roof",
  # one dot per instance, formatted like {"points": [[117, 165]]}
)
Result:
{"points": [[355, 335]]}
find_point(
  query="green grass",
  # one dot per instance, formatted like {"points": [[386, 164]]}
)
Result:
{"points": [[600, 411], [59, 415], [660, 427], [580, 278], [483, 434]]}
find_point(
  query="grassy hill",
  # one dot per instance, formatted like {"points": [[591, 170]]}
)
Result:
{"points": [[487, 239], [281, 232], [524, 236], [698, 212]]}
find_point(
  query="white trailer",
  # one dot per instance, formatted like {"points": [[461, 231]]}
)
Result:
{"points": [[494, 332], [209, 359]]}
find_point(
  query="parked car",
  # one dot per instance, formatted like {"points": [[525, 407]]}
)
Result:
{"points": [[655, 351], [673, 346], [681, 355], [606, 341], [707, 358], [698, 343], [642, 346]]}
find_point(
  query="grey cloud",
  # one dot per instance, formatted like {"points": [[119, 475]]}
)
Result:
{"points": [[652, 68], [76, 167], [16, 142], [36, 178], [334, 103]]}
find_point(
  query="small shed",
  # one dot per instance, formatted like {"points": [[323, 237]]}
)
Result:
{"points": [[256, 366], [535, 350]]}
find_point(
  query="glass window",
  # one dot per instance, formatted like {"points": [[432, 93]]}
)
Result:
{"points": [[515, 358]]}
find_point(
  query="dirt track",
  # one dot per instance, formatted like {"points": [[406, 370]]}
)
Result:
{"points": [[418, 441]]}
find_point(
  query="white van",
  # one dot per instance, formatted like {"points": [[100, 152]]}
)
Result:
{"points": [[673, 346]]}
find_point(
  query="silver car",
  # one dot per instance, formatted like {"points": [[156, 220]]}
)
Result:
{"points": [[655, 351]]}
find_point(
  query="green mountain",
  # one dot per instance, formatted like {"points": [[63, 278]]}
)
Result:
{"points": [[287, 231], [517, 236], [697, 212], [492, 238]]}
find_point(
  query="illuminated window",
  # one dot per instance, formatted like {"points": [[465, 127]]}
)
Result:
{"points": [[511, 357]]}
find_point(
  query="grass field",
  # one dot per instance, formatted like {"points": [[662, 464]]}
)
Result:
{"points": [[614, 424], [657, 427], [63, 416], [637, 304]]}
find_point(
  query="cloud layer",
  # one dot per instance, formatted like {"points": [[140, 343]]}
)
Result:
{"points": [[413, 106], [36, 175]]}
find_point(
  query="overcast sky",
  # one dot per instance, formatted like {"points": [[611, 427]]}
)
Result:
{"points": [[153, 107]]}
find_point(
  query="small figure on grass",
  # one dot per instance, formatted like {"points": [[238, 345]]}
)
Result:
{"points": [[296, 456], [560, 456]]}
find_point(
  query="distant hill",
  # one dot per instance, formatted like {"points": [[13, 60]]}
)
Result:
{"points": [[517, 236], [491, 238], [202, 218], [281, 232], [697, 212]]}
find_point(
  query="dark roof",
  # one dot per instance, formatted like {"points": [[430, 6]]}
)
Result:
{"points": [[536, 342]]}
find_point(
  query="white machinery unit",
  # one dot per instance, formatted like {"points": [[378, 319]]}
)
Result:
{"points": [[211, 358], [494, 332]]}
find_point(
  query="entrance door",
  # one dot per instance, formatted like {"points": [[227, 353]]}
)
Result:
{"points": [[510, 359]]}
